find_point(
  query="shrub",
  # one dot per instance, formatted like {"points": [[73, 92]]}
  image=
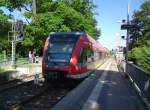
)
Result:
{"points": [[141, 57]]}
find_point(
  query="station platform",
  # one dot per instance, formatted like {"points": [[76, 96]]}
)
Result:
{"points": [[104, 89]]}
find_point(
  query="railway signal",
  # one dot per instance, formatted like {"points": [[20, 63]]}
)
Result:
{"points": [[16, 34]]}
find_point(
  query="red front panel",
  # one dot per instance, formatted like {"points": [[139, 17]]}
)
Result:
{"points": [[74, 68]]}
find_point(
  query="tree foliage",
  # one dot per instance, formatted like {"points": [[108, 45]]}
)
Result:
{"points": [[140, 37], [54, 16], [15, 4], [5, 26], [141, 57], [141, 18], [3, 23]]}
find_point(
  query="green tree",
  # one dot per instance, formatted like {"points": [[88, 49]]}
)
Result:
{"points": [[141, 57], [5, 26], [140, 37], [86, 8], [55, 16]]}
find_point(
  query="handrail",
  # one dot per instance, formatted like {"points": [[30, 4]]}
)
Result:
{"points": [[141, 79]]}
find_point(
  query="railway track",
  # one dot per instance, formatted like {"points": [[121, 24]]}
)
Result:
{"points": [[5, 86], [19, 93], [31, 97], [44, 100]]}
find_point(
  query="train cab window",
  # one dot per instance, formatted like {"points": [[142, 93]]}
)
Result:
{"points": [[60, 47], [86, 56]]}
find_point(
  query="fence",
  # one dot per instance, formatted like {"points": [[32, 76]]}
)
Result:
{"points": [[19, 61], [141, 80]]}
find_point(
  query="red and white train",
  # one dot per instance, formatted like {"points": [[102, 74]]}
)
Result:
{"points": [[71, 55]]}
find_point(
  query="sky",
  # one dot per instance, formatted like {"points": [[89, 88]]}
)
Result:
{"points": [[110, 12]]}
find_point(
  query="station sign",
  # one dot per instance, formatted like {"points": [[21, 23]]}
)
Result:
{"points": [[128, 26]]}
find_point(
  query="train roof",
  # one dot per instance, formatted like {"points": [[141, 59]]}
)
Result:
{"points": [[95, 43], [67, 33]]}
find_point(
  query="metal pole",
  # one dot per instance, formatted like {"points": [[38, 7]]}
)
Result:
{"points": [[13, 52], [13, 44], [127, 40]]}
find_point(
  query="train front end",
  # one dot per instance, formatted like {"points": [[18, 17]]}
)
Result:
{"points": [[57, 55]]}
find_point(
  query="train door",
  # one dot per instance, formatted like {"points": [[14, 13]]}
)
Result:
{"points": [[82, 62], [85, 59]]}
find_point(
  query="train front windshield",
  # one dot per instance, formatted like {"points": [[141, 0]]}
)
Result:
{"points": [[60, 49]]}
